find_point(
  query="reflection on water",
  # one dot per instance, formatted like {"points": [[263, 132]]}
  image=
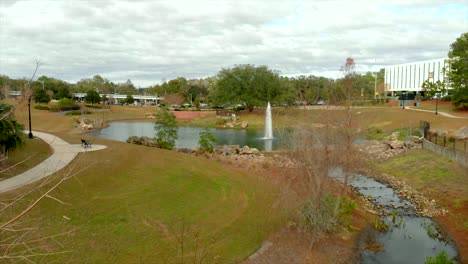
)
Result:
{"points": [[188, 136]]}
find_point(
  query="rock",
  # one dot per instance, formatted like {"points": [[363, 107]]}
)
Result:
{"points": [[409, 144], [462, 133], [227, 150], [85, 126], [230, 125], [145, 141], [396, 144], [394, 136], [244, 124], [441, 132], [414, 139]]}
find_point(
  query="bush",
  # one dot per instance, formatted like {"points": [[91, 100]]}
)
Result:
{"points": [[440, 259], [65, 104], [326, 213], [41, 107], [221, 122], [446, 98], [206, 140], [375, 133], [78, 112], [166, 128], [94, 106]]}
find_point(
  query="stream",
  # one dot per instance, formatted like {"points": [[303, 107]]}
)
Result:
{"points": [[410, 238]]}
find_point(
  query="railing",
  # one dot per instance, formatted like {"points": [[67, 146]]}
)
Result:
{"points": [[449, 147]]}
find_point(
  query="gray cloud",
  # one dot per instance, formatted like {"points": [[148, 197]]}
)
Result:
{"points": [[147, 41]]}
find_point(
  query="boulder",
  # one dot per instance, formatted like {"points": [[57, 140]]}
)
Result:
{"points": [[227, 150], [441, 132], [145, 141], [394, 136], [246, 150], [396, 144], [414, 139], [462, 133], [230, 125], [244, 124]]}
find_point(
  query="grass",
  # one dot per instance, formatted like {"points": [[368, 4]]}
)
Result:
{"points": [[131, 209], [32, 153]]}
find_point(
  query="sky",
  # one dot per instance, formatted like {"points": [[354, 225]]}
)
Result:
{"points": [[150, 41]]}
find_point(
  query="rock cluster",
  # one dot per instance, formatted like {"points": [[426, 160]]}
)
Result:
{"points": [[462, 133], [424, 206], [150, 115], [228, 150], [145, 141], [383, 150], [243, 124], [87, 124]]}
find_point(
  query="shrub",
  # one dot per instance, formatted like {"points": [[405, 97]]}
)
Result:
{"points": [[206, 140], [326, 213], [166, 128], [375, 133], [94, 106], [78, 112], [65, 104], [41, 107], [439, 259], [221, 121], [446, 98]]}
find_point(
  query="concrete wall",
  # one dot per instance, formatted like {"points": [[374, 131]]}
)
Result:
{"points": [[450, 153]]}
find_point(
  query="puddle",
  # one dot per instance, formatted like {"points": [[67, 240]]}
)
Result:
{"points": [[410, 238]]}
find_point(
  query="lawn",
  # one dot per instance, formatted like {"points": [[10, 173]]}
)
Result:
{"points": [[136, 202], [440, 179], [29, 155]]}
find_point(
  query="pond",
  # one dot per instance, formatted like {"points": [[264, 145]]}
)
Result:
{"points": [[188, 136]]}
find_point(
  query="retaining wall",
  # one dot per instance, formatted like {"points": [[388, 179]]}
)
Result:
{"points": [[450, 153]]}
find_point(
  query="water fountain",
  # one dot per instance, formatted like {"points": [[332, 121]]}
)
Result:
{"points": [[268, 123]]}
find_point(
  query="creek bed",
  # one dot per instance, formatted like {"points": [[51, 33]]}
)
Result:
{"points": [[410, 238]]}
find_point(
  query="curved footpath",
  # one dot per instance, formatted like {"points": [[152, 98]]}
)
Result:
{"points": [[63, 154]]}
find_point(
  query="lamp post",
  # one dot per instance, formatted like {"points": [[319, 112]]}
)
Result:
{"points": [[30, 134], [375, 85]]}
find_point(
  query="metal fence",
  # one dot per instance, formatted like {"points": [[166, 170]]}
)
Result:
{"points": [[449, 147]]}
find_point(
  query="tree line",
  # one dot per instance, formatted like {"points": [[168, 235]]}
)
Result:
{"points": [[247, 84], [251, 85]]}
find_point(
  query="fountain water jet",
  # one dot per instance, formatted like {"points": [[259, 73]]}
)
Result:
{"points": [[268, 123]]}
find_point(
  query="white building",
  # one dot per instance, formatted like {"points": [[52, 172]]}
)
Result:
{"points": [[409, 77]]}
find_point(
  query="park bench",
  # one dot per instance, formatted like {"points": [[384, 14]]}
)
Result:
{"points": [[85, 143]]}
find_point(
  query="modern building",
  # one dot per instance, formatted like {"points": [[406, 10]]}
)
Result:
{"points": [[409, 77]]}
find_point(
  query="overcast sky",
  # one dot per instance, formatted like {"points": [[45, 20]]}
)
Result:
{"points": [[150, 41]]}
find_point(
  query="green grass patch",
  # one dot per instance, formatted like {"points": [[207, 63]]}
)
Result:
{"points": [[31, 154], [131, 209], [41, 107], [78, 112]]}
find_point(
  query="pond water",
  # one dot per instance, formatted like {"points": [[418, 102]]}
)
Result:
{"points": [[410, 238], [188, 136]]}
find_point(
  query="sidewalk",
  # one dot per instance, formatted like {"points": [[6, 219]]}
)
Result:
{"points": [[438, 112], [63, 154]]}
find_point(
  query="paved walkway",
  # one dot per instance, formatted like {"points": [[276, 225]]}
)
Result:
{"points": [[438, 112], [63, 153]]}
